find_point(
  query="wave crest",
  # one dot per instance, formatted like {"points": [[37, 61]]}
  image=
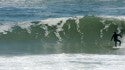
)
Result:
{"points": [[82, 33]]}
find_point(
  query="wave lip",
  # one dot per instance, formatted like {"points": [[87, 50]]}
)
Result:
{"points": [[113, 17]]}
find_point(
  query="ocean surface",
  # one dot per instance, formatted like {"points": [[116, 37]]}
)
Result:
{"points": [[61, 34]]}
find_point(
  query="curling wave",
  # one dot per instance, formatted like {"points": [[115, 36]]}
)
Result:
{"points": [[74, 34]]}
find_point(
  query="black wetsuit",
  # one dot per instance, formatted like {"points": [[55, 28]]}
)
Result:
{"points": [[115, 37]]}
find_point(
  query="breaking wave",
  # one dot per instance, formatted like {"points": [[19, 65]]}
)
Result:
{"points": [[90, 34]]}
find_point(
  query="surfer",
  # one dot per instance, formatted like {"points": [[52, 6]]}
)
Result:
{"points": [[115, 37]]}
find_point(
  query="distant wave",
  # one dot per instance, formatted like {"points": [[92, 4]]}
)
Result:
{"points": [[22, 3], [41, 3]]}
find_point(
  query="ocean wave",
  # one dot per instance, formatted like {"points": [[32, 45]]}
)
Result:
{"points": [[82, 33], [60, 24]]}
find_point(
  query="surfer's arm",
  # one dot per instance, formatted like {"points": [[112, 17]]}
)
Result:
{"points": [[120, 35], [112, 37]]}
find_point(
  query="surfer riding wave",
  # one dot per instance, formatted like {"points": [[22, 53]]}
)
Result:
{"points": [[115, 37]]}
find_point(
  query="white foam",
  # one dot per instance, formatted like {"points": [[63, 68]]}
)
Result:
{"points": [[46, 30], [25, 25], [53, 21], [106, 26], [123, 42], [5, 27], [113, 17], [63, 62]]}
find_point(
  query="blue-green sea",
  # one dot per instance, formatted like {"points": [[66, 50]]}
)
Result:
{"points": [[61, 34]]}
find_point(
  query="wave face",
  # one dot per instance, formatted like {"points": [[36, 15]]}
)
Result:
{"points": [[88, 34]]}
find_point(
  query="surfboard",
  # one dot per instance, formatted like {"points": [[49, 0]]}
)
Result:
{"points": [[118, 47]]}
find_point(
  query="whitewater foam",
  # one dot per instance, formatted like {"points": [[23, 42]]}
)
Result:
{"points": [[123, 42], [113, 17], [5, 27], [25, 25], [63, 62]]}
